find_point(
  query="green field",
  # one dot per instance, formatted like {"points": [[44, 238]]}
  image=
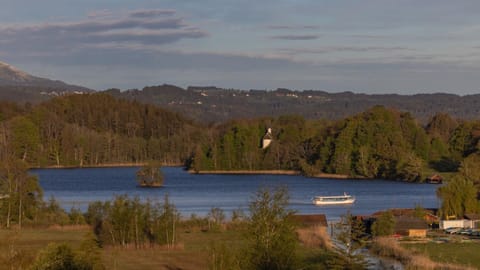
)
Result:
{"points": [[458, 253]]}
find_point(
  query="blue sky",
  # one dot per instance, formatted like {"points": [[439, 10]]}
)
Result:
{"points": [[366, 46]]}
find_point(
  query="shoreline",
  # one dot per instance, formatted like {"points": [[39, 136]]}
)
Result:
{"points": [[274, 172], [105, 165], [248, 172], [212, 172]]}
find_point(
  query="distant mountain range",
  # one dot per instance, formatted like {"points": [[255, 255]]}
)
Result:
{"points": [[19, 86], [212, 104]]}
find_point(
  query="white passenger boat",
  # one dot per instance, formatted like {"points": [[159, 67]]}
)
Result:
{"points": [[341, 199]]}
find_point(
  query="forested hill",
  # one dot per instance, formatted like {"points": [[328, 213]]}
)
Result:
{"points": [[377, 143], [99, 129], [93, 129], [211, 104]]}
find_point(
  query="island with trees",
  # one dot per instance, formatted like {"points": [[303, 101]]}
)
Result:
{"points": [[150, 175]]}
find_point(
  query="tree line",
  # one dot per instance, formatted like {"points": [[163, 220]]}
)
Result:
{"points": [[378, 143], [96, 129], [93, 129]]}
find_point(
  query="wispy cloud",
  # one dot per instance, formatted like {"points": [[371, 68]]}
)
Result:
{"points": [[334, 49], [150, 13], [295, 37], [148, 27], [293, 27]]}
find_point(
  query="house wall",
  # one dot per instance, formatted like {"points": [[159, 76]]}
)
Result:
{"points": [[461, 223], [417, 233], [266, 143]]}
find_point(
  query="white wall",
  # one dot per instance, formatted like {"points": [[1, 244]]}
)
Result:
{"points": [[462, 223]]}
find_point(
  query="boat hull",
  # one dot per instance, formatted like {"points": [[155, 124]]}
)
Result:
{"points": [[328, 200], [321, 202]]}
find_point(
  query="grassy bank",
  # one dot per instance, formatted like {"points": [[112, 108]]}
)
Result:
{"points": [[458, 253], [412, 259]]}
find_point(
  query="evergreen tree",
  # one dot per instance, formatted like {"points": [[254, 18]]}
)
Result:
{"points": [[350, 238]]}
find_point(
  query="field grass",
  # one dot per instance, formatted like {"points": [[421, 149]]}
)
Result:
{"points": [[458, 253], [193, 250], [191, 253], [18, 249]]}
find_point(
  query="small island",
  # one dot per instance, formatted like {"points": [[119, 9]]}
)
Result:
{"points": [[150, 175]]}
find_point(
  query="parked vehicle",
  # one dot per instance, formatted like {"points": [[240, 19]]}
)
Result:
{"points": [[452, 230]]}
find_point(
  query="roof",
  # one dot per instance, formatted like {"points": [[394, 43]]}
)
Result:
{"points": [[312, 220], [435, 177], [268, 136], [409, 212], [408, 223], [472, 216]]}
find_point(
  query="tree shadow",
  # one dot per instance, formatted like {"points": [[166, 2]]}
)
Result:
{"points": [[444, 164]]}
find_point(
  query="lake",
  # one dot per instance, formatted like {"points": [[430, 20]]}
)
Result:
{"points": [[197, 194]]}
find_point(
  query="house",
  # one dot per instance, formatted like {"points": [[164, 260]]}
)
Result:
{"points": [[409, 222], [313, 220], [267, 138], [468, 221], [474, 220], [435, 179], [410, 226]]}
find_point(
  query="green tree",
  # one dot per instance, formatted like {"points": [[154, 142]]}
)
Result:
{"points": [[20, 191], [221, 258], [25, 138], [216, 217], [411, 168], [89, 254], [55, 257], [384, 225], [350, 238], [470, 168], [458, 196], [272, 241]]}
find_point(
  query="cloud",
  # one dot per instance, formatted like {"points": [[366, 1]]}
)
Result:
{"points": [[147, 27], [334, 49], [295, 37], [149, 13], [294, 27]]}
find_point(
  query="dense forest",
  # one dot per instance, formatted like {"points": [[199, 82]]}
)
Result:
{"points": [[99, 129], [94, 129], [378, 143]]}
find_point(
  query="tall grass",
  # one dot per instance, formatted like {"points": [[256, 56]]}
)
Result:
{"points": [[314, 237], [389, 247]]}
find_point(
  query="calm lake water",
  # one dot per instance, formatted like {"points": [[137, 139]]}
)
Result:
{"points": [[199, 193]]}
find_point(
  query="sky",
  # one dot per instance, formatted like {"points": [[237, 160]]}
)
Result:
{"points": [[363, 46]]}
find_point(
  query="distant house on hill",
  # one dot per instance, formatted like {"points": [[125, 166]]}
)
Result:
{"points": [[267, 138]]}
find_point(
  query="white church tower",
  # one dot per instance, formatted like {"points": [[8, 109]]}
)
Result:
{"points": [[267, 138]]}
